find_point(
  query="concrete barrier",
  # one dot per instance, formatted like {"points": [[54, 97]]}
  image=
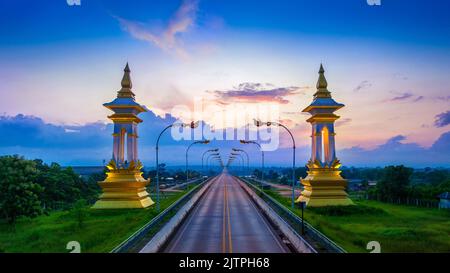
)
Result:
{"points": [[163, 235], [296, 240]]}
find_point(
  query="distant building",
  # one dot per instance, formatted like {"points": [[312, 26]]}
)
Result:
{"points": [[444, 202], [358, 185], [354, 184]]}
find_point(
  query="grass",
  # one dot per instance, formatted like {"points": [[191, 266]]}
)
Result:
{"points": [[100, 231], [397, 228]]}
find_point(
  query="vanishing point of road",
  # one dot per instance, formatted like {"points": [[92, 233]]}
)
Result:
{"points": [[225, 220]]}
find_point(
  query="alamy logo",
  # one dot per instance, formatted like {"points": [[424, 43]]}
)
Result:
{"points": [[74, 247], [374, 246], [374, 2], [73, 2]]}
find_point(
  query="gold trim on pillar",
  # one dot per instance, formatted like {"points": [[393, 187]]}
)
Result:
{"points": [[324, 186], [124, 188]]}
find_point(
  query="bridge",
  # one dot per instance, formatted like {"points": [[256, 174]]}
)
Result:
{"points": [[225, 220], [225, 213]]}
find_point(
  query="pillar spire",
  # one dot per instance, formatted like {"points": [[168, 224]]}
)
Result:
{"points": [[322, 90], [126, 83]]}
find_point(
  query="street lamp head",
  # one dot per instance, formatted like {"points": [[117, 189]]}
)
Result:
{"points": [[248, 142], [192, 125], [257, 122]]}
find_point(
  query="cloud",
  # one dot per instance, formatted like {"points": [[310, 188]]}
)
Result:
{"points": [[91, 143], [395, 140], [342, 122], [33, 132], [399, 76], [256, 92], [419, 98], [405, 96], [362, 85], [442, 98], [402, 97], [443, 119], [395, 151], [167, 39], [442, 144], [32, 137]]}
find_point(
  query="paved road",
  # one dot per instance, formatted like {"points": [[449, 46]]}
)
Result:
{"points": [[224, 221]]}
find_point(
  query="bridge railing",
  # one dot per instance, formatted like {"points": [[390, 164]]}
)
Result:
{"points": [[145, 233], [316, 238]]}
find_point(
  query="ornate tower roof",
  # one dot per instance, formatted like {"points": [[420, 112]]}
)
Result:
{"points": [[322, 91], [322, 98], [124, 106], [126, 92]]}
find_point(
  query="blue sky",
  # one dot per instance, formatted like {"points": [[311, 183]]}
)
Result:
{"points": [[388, 64], [415, 22]]}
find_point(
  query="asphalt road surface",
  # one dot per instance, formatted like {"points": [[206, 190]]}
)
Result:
{"points": [[225, 220]]}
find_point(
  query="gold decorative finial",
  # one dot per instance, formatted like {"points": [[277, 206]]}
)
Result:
{"points": [[126, 92], [126, 80], [322, 91]]}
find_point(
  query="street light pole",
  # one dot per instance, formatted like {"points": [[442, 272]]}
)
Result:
{"points": [[157, 166], [241, 158], [248, 158], [217, 158], [232, 158], [192, 125], [208, 157], [203, 155], [187, 151], [262, 157], [258, 124]]}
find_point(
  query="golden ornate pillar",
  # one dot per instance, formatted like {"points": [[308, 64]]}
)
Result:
{"points": [[324, 186], [124, 186]]}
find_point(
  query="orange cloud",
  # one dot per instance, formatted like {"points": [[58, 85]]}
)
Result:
{"points": [[256, 93]]}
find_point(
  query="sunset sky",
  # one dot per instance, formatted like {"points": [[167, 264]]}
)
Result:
{"points": [[388, 64]]}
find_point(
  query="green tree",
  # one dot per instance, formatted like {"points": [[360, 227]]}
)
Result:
{"points": [[395, 183], [299, 172], [63, 187], [19, 195], [272, 175], [257, 173], [81, 212], [436, 177], [284, 180]]}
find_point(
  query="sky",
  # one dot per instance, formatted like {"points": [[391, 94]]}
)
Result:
{"points": [[388, 64]]}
